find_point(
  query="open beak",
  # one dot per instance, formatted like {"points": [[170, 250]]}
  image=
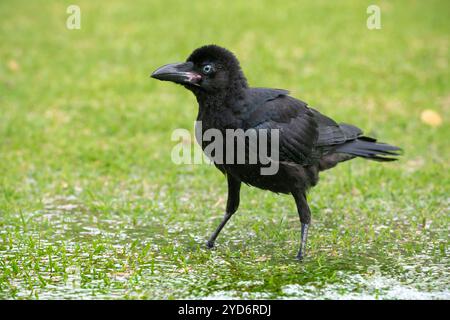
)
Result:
{"points": [[181, 73]]}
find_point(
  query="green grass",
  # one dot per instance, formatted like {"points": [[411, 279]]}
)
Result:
{"points": [[91, 205]]}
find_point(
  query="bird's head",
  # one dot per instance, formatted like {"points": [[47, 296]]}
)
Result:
{"points": [[208, 70]]}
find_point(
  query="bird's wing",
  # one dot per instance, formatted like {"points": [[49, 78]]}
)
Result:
{"points": [[305, 134], [332, 133], [298, 131]]}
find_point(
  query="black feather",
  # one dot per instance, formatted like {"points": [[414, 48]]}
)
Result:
{"points": [[368, 148]]}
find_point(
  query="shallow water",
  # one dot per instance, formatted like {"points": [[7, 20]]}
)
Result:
{"points": [[64, 251]]}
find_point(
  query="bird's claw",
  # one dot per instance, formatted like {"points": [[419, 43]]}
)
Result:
{"points": [[209, 244]]}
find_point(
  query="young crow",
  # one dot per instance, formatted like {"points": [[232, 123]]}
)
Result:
{"points": [[308, 141]]}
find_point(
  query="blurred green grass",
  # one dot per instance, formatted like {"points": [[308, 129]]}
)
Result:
{"points": [[82, 123]]}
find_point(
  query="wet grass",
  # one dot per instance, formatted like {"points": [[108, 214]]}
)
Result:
{"points": [[91, 205]]}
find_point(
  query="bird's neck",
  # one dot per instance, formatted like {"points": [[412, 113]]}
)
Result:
{"points": [[222, 98], [218, 102]]}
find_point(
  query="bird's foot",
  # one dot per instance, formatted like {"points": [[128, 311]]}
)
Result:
{"points": [[300, 257], [209, 244]]}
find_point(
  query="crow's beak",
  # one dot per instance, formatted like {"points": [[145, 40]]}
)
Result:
{"points": [[179, 73]]}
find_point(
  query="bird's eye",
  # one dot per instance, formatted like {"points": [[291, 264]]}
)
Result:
{"points": [[207, 69]]}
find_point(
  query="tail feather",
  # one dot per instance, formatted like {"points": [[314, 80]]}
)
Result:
{"points": [[368, 148]]}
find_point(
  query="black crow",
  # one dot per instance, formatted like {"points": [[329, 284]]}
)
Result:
{"points": [[308, 142]]}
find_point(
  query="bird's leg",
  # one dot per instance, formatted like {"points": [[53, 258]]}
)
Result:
{"points": [[234, 187], [212, 238], [304, 236], [305, 219]]}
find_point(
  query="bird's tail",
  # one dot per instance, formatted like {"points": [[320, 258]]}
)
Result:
{"points": [[369, 148]]}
